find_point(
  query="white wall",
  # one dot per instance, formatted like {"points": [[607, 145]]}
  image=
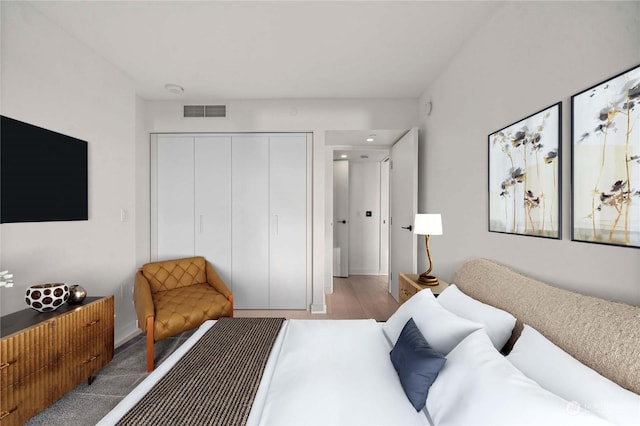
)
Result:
{"points": [[527, 57], [142, 186], [295, 115], [364, 232], [52, 80]]}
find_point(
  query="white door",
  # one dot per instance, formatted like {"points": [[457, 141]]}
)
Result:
{"points": [[288, 217], [404, 206], [384, 217], [250, 221], [212, 173], [341, 218], [174, 220]]}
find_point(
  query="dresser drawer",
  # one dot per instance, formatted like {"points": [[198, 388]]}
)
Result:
{"points": [[93, 321], [18, 359], [25, 398], [83, 362]]}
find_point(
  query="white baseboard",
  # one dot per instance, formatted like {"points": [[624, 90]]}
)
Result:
{"points": [[124, 339], [365, 272], [319, 308]]}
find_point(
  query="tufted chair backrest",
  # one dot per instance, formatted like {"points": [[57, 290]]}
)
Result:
{"points": [[170, 274]]}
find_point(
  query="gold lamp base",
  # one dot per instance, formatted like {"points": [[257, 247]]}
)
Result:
{"points": [[429, 280]]}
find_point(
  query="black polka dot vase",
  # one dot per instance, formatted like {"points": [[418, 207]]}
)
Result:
{"points": [[47, 297]]}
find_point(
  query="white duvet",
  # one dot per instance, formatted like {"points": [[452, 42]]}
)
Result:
{"points": [[336, 373], [320, 372]]}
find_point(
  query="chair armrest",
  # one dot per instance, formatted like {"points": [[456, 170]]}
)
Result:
{"points": [[216, 282], [142, 300]]}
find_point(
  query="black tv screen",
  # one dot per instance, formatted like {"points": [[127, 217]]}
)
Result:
{"points": [[43, 174]]}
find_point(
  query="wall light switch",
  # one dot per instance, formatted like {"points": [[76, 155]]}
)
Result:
{"points": [[124, 215]]}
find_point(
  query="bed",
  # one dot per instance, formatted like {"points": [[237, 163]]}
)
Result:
{"points": [[335, 372]]}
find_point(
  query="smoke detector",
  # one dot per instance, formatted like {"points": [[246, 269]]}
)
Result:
{"points": [[174, 88]]}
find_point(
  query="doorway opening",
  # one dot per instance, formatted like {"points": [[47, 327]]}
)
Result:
{"points": [[361, 213], [371, 205]]}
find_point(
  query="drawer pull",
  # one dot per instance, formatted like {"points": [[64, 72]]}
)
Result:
{"points": [[94, 322], [93, 358], [6, 364], [4, 414]]}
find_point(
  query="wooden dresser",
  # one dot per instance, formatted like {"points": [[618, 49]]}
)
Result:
{"points": [[409, 286], [45, 355]]}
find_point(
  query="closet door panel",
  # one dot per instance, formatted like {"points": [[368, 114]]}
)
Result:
{"points": [[175, 197], [213, 203], [288, 216], [250, 221]]}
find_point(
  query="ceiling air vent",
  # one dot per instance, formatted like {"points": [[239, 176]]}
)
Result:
{"points": [[205, 110], [215, 110]]}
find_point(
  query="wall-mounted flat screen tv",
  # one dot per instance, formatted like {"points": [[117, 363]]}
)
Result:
{"points": [[43, 174]]}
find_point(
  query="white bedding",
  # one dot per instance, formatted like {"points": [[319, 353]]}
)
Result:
{"points": [[336, 373], [319, 372]]}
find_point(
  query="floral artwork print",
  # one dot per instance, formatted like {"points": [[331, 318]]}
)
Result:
{"points": [[606, 161], [524, 176]]}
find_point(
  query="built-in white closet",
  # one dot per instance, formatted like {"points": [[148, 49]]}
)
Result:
{"points": [[243, 202]]}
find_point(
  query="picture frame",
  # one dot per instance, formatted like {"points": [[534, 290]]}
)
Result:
{"points": [[605, 162], [525, 175]]}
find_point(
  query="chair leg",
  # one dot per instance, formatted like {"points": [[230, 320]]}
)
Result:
{"points": [[149, 344], [231, 300]]}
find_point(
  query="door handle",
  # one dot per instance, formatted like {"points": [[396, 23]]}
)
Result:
{"points": [[410, 227], [342, 221]]}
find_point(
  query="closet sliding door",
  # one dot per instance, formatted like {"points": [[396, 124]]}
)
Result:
{"points": [[212, 189], [288, 212], [250, 221], [174, 199]]}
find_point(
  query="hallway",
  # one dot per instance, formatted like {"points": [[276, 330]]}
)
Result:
{"points": [[359, 296]]}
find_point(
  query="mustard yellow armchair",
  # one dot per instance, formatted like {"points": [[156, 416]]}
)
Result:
{"points": [[174, 296]]}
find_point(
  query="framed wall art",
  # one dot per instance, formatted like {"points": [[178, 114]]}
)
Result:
{"points": [[605, 139], [525, 176]]}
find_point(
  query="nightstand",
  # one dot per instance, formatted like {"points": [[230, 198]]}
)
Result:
{"points": [[409, 286]]}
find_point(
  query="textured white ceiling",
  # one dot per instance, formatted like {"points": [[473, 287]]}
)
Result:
{"points": [[227, 50]]}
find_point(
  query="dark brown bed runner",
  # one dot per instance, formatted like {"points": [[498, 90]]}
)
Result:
{"points": [[215, 382]]}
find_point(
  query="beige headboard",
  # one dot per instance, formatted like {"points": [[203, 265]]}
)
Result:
{"points": [[602, 334]]}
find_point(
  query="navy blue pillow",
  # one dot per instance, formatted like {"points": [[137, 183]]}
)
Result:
{"points": [[417, 364]]}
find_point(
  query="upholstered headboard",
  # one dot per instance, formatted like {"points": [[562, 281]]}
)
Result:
{"points": [[601, 334]]}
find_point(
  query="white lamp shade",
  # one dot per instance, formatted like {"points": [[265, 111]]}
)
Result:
{"points": [[428, 224]]}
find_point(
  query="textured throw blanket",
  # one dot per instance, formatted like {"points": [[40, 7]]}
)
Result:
{"points": [[216, 381]]}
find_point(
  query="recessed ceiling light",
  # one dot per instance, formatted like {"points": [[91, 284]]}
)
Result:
{"points": [[370, 138], [343, 156], [174, 88]]}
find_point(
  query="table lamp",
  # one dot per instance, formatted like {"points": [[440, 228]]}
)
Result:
{"points": [[427, 225]]}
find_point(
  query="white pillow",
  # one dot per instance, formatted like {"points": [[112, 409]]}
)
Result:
{"points": [[498, 323], [478, 386], [560, 373], [442, 329]]}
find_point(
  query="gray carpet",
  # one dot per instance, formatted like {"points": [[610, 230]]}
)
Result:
{"points": [[86, 405]]}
